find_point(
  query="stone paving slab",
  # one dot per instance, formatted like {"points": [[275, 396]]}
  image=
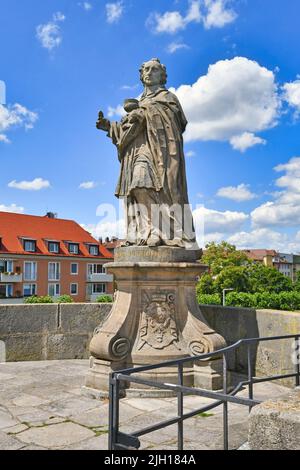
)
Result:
{"points": [[56, 435], [41, 407]]}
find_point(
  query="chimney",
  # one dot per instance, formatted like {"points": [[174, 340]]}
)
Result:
{"points": [[51, 215]]}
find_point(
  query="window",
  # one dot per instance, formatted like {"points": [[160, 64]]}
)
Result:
{"points": [[53, 247], [30, 271], [74, 248], [53, 290], [30, 245], [54, 271], [95, 269], [74, 268], [29, 290], [98, 288], [94, 250], [6, 266], [6, 290], [74, 289]]}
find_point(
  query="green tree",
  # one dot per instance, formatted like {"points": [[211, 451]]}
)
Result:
{"points": [[296, 285], [206, 285], [266, 279], [223, 255], [233, 277]]}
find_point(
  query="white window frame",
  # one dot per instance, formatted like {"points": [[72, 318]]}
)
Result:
{"points": [[90, 250], [74, 284], [73, 252], [57, 271], [55, 284], [6, 290], [77, 271], [24, 270], [31, 293], [92, 270], [29, 241], [96, 284], [54, 243]]}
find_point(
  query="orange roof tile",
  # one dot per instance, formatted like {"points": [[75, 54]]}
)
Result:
{"points": [[15, 227]]}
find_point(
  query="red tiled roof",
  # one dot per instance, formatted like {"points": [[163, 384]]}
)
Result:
{"points": [[259, 254], [15, 227]]}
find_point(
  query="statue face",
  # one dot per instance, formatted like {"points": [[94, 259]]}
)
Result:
{"points": [[152, 74]]}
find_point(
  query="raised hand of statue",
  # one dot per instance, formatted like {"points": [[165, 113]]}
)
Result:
{"points": [[102, 123]]}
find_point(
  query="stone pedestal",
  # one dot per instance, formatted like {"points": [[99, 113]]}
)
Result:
{"points": [[155, 318]]}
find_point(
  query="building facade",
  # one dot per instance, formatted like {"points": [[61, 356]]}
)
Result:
{"points": [[50, 256], [286, 263]]}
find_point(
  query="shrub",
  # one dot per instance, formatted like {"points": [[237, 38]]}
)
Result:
{"points": [[64, 299], [209, 299], [105, 299], [39, 300], [264, 300]]}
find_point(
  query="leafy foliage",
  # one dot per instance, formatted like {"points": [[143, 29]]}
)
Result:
{"points": [[46, 299], [265, 300], [105, 299], [265, 279], [209, 299], [64, 299], [223, 255]]}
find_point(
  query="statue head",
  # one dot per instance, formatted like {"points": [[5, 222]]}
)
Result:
{"points": [[153, 72]]}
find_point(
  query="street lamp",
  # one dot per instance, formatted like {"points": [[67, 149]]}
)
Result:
{"points": [[224, 296]]}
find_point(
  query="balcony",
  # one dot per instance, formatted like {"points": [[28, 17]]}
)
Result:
{"points": [[10, 278], [103, 277]]}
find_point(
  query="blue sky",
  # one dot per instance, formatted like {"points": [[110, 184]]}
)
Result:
{"points": [[235, 67]]}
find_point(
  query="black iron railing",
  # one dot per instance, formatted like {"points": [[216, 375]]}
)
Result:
{"points": [[122, 441]]}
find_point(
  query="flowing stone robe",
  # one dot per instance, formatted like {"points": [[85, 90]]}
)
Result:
{"points": [[150, 149]]}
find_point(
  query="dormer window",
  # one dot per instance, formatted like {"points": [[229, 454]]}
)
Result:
{"points": [[74, 248], [94, 250], [53, 247], [29, 245]]}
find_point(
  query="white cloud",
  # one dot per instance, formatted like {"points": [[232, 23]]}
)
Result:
{"points": [[285, 209], [130, 87], [216, 237], [173, 21], [114, 11], [176, 46], [292, 94], [236, 96], [59, 17], [4, 139], [15, 116], [261, 238], [106, 229], [11, 208], [190, 153], [217, 221], [218, 14], [212, 13], [87, 6], [246, 140], [276, 214], [87, 185], [118, 111], [36, 185], [239, 193], [49, 34]]}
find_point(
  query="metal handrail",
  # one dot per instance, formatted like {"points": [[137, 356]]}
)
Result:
{"points": [[119, 440]]}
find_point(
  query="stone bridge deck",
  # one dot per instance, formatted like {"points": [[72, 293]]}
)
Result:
{"points": [[41, 407]]}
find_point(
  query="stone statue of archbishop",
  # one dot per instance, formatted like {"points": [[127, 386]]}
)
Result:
{"points": [[153, 178]]}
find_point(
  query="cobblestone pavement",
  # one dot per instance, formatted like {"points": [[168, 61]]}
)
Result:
{"points": [[42, 407]]}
